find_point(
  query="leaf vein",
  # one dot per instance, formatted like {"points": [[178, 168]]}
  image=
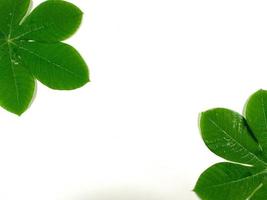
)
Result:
{"points": [[238, 180], [254, 191], [13, 75], [28, 32], [225, 132], [49, 61]]}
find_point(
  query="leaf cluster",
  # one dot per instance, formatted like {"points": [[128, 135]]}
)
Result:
{"points": [[242, 140], [31, 48]]}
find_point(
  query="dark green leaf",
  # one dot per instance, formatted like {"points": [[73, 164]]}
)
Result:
{"points": [[31, 47]]}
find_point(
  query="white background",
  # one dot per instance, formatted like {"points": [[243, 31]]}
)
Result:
{"points": [[132, 133]]}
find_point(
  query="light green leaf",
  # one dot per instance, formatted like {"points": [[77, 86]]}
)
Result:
{"points": [[31, 47], [229, 181]]}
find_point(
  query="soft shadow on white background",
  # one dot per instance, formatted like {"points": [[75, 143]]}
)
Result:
{"points": [[126, 193], [121, 194], [132, 133]]}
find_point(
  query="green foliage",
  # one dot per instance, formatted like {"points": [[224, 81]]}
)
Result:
{"points": [[241, 140], [31, 47]]}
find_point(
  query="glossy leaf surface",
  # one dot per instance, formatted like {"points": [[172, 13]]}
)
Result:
{"points": [[241, 140], [31, 47], [229, 181]]}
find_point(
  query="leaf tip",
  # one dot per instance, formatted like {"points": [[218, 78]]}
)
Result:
{"points": [[18, 112], [195, 189], [260, 91]]}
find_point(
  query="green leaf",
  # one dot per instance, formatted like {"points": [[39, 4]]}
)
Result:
{"points": [[241, 140], [260, 192], [46, 64], [256, 116], [12, 12], [51, 21], [16, 83], [229, 181], [31, 47], [226, 134]]}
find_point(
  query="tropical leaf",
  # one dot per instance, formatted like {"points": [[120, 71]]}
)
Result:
{"points": [[31, 47], [229, 181], [241, 140]]}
